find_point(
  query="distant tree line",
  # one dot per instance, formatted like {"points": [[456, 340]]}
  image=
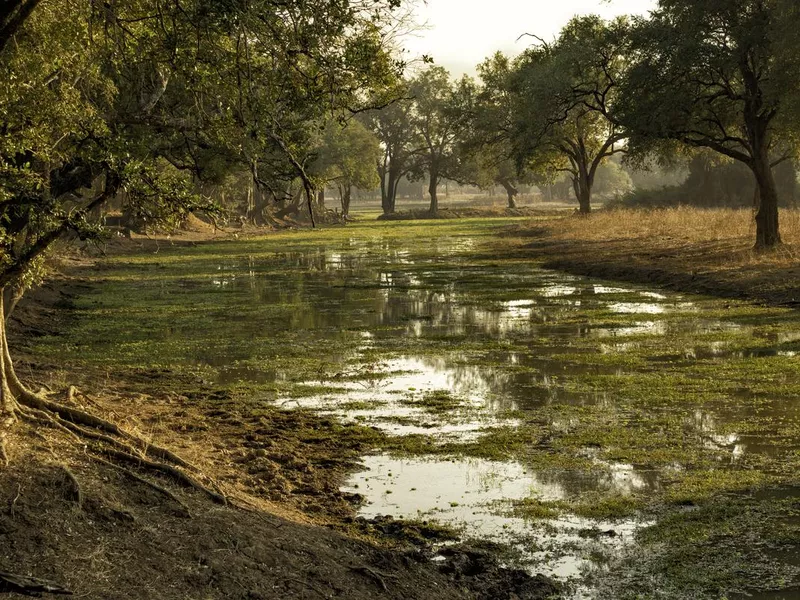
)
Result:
{"points": [[708, 84]]}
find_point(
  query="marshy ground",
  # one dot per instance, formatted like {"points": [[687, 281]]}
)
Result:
{"points": [[629, 441]]}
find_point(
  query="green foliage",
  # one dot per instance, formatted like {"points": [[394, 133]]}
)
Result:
{"points": [[442, 110], [348, 155], [153, 100], [566, 95], [485, 146]]}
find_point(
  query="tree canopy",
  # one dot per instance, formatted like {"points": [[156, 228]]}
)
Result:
{"points": [[718, 74]]}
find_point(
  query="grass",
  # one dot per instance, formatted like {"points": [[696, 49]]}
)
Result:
{"points": [[683, 240], [686, 225]]}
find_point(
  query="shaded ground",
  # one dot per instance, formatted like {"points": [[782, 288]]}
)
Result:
{"points": [[468, 213]]}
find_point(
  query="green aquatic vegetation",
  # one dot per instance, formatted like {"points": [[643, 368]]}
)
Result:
{"points": [[535, 509], [699, 485], [435, 402], [607, 507], [730, 544]]}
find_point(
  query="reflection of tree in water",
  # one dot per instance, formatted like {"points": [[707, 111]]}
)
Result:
{"points": [[715, 428], [606, 478]]}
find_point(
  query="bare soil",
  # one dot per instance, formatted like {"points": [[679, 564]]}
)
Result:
{"points": [[104, 530]]}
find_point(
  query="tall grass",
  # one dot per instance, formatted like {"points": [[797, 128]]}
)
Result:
{"points": [[730, 231]]}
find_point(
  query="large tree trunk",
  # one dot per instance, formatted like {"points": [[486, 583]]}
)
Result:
{"points": [[385, 186], [583, 194], [585, 199], [767, 230], [390, 192], [512, 193], [432, 187], [8, 403], [395, 185]]}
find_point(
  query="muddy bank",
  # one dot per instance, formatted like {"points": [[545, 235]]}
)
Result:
{"points": [[727, 269], [112, 536]]}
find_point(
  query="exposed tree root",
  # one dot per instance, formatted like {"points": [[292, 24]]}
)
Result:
{"points": [[35, 415], [111, 440], [84, 426], [167, 469], [79, 417], [76, 493], [160, 489]]}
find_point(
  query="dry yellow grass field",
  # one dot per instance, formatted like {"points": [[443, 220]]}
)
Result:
{"points": [[706, 250]]}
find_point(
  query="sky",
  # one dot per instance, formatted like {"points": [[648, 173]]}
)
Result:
{"points": [[461, 33]]}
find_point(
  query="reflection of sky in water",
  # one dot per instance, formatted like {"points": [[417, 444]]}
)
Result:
{"points": [[392, 399], [471, 493]]}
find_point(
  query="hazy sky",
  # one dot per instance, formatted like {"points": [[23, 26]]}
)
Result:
{"points": [[462, 33]]}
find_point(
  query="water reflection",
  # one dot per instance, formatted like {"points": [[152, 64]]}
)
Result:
{"points": [[469, 494]]}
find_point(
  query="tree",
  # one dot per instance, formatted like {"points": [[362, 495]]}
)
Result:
{"points": [[347, 159], [566, 95], [486, 146], [400, 145], [718, 74], [441, 112]]}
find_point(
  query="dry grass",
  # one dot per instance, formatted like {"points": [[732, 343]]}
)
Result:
{"points": [[690, 249], [731, 232]]}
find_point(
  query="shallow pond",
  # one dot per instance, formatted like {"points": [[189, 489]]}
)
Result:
{"points": [[560, 416]]}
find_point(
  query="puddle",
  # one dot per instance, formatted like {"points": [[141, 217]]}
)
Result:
{"points": [[475, 496]]}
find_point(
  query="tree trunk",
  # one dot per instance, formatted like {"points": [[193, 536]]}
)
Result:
{"points": [[395, 185], [432, 187], [385, 186], [767, 230], [585, 200], [321, 198], [346, 195], [512, 193], [8, 403], [582, 185], [389, 192]]}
